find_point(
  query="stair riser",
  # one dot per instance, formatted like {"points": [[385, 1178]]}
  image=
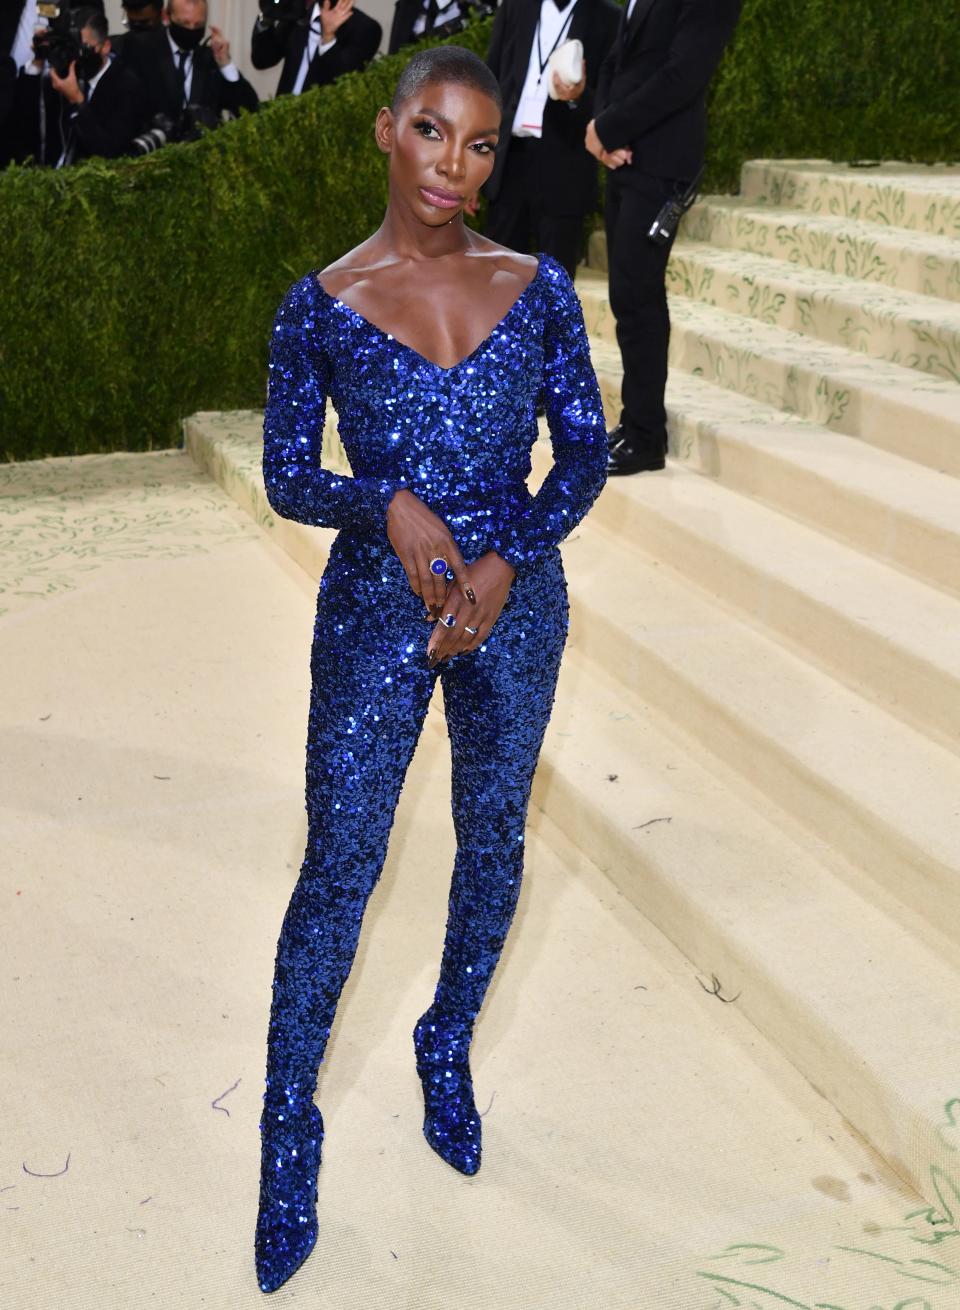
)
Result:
{"points": [[894, 260], [926, 697], [879, 200], [901, 1133], [831, 815], [873, 329], [869, 525]]}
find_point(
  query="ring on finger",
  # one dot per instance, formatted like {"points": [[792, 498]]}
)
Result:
{"points": [[449, 620], [473, 631], [438, 565]]}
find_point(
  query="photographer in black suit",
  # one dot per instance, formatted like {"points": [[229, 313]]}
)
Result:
{"points": [[317, 42], [650, 132], [544, 181], [73, 100], [181, 74]]}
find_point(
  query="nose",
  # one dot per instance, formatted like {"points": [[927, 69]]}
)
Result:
{"points": [[451, 164]]}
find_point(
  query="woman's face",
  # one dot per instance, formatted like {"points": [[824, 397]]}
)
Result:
{"points": [[441, 147]]}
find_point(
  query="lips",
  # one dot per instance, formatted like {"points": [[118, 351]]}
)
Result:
{"points": [[442, 199]]}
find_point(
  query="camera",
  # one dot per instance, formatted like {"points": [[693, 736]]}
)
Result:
{"points": [[274, 12], [164, 130], [59, 43], [664, 226]]}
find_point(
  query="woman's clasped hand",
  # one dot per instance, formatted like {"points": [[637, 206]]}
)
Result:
{"points": [[475, 596]]}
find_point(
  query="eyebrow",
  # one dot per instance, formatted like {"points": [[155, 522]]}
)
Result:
{"points": [[490, 131]]}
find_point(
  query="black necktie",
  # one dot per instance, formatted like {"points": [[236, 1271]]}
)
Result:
{"points": [[182, 75], [432, 10]]}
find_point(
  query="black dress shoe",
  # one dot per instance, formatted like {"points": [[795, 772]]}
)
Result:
{"points": [[623, 457]]}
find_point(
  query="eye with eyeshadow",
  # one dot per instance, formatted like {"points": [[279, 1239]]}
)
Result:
{"points": [[479, 147]]}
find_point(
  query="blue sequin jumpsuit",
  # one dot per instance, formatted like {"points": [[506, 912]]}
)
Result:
{"points": [[460, 438]]}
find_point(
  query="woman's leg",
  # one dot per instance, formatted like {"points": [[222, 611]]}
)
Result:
{"points": [[498, 700], [369, 696]]}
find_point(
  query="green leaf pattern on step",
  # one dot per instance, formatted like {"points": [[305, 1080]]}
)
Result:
{"points": [[65, 520], [923, 1249]]}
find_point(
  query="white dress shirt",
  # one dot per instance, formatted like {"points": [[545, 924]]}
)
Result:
{"points": [[22, 50], [551, 30], [314, 44], [229, 71]]}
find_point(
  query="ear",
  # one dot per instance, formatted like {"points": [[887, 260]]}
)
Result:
{"points": [[384, 129]]}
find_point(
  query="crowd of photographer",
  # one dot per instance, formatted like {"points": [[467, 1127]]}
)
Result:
{"points": [[70, 89]]}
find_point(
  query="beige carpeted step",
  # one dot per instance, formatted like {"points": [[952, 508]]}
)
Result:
{"points": [[893, 408], [831, 979], [868, 252], [918, 197], [886, 635], [850, 773], [916, 331], [880, 503]]}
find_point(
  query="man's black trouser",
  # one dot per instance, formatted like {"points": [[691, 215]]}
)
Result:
{"points": [[520, 220], [638, 299]]}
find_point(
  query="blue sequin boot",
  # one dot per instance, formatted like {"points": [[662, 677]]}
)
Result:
{"points": [[451, 1124], [291, 1145]]}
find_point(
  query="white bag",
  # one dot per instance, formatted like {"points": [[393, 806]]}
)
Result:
{"points": [[567, 62]]}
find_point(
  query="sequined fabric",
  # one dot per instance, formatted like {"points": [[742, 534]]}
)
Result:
{"points": [[460, 438]]}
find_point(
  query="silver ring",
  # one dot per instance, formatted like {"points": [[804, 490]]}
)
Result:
{"points": [[473, 631]]}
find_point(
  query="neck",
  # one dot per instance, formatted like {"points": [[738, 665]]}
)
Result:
{"points": [[408, 237]]}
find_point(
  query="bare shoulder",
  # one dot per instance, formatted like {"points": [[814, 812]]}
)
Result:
{"points": [[343, 272], [504, 260]]}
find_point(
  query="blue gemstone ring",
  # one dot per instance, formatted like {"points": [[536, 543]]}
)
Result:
{"points": [[449, 620], [438, 565], [450, 575]]}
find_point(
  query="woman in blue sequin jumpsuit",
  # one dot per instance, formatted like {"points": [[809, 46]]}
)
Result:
{"points": [[440, 455]]}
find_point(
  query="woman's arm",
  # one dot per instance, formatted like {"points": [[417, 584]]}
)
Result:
{"points": [[297, 486], [578, 431]]}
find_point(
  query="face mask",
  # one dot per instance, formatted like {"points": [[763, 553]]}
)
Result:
{"points": [[89, 62], [187, 38]]}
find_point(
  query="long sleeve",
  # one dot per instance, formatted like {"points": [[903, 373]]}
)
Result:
{"points": [[297, 486], [578, 431], [703, 30]]}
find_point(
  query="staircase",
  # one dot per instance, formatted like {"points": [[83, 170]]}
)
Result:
{"points": [[757, 731]]}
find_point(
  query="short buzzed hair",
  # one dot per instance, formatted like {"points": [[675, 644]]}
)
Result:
{"points": [[445, 63]]}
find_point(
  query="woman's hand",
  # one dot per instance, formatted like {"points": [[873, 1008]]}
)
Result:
{"points": [[492, 577], [418, 536]]}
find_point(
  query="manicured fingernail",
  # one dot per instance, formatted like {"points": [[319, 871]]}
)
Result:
{"points": [[470, 595]]}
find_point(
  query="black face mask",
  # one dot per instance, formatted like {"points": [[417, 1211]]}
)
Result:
{"points": [[89, 62], [187, 38]]}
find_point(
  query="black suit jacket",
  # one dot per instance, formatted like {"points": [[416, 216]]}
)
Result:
{"points": [[105, 125], [358, 40], [652, 92], [148, 54], [112, 116], [567, 172]]}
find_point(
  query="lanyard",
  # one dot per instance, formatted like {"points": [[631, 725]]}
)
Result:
{"points": [[540, 60]]}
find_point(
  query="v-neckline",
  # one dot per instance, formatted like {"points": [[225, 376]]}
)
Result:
{"points": [[410, 349]]}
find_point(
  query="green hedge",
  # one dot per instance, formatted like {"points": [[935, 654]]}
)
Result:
{"points": [[138, 291]]}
